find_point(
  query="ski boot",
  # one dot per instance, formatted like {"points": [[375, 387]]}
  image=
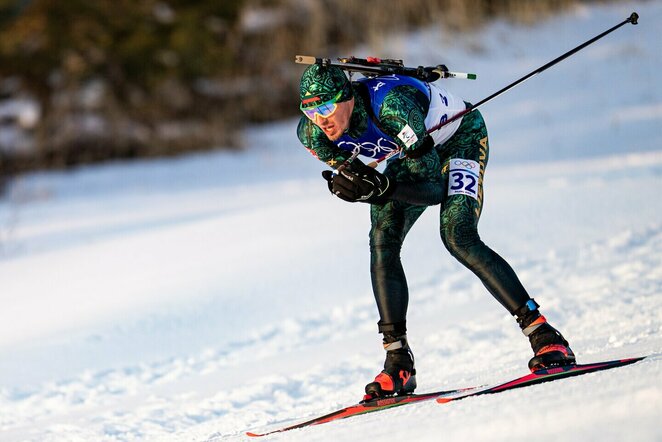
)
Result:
{"points": [[550, 348], [399, 374]]}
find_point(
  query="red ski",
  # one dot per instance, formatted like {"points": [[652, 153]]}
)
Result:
{"points": [[360, 408], [537, 377]]}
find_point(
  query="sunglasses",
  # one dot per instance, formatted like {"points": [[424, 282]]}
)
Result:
{"points": [[324, 110]]}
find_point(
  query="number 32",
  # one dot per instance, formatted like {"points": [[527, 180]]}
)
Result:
{"points": [[462, 181]]}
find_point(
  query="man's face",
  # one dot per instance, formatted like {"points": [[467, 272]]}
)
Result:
{"points": [[337, 123]]}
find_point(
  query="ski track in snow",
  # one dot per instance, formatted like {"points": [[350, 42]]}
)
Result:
{"points": [[625, 269], [187, 302]]}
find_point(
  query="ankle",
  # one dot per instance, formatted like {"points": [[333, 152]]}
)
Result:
{"points": [[392, 342], [529, 318]]}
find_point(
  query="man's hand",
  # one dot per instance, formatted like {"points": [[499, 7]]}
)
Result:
{"points": [[360, 183]]}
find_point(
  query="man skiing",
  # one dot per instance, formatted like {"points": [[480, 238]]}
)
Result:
{"points": [[382, 116]]}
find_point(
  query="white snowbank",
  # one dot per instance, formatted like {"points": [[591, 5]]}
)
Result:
{"points": [[198, 298]]}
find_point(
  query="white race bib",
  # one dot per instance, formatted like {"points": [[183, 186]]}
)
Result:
{"points": [[463, 177]]}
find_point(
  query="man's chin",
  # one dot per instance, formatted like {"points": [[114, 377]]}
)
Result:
{"points": [[333, 136]]}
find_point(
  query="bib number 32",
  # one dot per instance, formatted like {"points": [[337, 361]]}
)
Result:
{"points": [[463, 177]]}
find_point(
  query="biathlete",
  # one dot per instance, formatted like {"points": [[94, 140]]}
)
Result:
{"points": [[386, 115]]}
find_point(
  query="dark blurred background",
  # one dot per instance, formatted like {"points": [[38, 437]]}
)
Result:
{"points": [[85, 81]]}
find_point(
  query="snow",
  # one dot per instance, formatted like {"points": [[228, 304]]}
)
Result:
{"points": [[202, 297]]}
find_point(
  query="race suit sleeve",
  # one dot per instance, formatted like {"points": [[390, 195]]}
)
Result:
{"points": [[418, 175], [402, 116], [317, 143]]}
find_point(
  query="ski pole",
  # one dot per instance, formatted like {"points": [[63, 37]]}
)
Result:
{"points": [[632, 19], [347, 162]]}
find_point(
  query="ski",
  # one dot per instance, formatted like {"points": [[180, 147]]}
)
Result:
{"points": [[360, 408], [537, 377]]}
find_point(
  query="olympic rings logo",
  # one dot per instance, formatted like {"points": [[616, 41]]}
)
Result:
{"points": [[372, 150], [464, 163]]}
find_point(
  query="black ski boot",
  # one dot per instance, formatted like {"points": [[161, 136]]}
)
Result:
{"points": [[399, 374], [550, 348]]}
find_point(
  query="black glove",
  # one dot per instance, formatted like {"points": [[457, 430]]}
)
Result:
{"points": [[360, 183]]}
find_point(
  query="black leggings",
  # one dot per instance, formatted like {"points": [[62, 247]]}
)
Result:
{"points": [[424, 182]]}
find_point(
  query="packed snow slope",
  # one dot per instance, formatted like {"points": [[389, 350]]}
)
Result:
{"points": [[201, 297]]}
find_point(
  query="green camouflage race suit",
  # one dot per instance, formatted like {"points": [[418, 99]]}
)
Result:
{"points": [[450, 174]]}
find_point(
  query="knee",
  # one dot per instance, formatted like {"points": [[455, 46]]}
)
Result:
{"points": [[384, 249], [460, 240]]}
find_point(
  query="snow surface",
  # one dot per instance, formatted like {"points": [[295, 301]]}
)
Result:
{"points": [[202, 297]]}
